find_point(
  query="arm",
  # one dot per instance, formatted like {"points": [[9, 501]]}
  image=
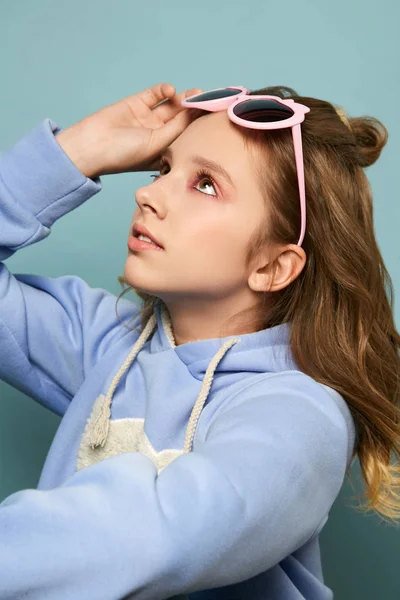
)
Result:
{"points": [[41, 179], [52, 330], [255, 490]]}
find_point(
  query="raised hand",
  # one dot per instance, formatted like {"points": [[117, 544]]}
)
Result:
{"points": [[130, 134]]}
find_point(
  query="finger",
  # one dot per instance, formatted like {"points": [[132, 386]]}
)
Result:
{"points": [[165, 135], [172, 106], [177, 98], [155, 94]]}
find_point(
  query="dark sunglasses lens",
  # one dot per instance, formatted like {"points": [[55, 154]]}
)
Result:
{"points": [[262, 111], [215, 94]]}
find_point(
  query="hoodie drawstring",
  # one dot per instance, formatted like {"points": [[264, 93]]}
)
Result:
{"points": [[101, 425], [101, 413]]}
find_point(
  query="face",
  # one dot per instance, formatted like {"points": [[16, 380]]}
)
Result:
{"points": [[204, 216]]}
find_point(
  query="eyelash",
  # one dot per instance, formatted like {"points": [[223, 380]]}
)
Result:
{"points": [[199, 176]]}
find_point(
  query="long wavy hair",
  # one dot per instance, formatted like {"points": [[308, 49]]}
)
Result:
{"points": [[341, 305]]}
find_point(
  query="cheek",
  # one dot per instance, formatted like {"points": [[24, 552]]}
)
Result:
{"points": [[220, 243]]}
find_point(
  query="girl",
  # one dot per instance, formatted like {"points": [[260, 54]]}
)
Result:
{"points": [[203, 444]]}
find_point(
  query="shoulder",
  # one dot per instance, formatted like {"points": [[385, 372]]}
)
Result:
{"points": [[293, 398]]}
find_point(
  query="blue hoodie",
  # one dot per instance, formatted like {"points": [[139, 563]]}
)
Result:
{"points": [[201, 471]]}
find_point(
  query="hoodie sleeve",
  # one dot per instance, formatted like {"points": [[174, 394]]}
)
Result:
{"points": [[255, 490], [52, 330]]}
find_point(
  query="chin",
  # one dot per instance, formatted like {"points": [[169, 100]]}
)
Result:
{"points": [[133, 280], [129, 274]]}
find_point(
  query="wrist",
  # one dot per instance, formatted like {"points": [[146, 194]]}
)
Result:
{"points": [[79, 147]]}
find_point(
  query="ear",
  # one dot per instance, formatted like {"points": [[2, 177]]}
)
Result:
{"points": [[277, 273]]}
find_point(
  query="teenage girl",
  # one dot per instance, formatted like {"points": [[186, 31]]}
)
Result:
{"points": [[206, 434]]}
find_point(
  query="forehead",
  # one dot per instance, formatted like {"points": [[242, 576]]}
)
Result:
{"points": [[216, 138]]}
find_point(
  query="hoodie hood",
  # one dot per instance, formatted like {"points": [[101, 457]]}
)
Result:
{"points": [[265, 351]]}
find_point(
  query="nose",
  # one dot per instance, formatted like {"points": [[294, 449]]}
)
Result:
{"points": [[147, 198]]}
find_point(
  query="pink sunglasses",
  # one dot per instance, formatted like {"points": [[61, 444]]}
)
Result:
{"points": [[260, 112]]}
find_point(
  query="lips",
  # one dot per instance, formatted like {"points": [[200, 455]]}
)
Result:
{"points": [[139, 229]]}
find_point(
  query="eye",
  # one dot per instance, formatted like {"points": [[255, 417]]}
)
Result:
{"points": [[201, 177], [205, 178], [163, 166]]}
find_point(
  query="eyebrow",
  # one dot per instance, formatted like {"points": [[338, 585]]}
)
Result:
{"points": [[206, 163]]}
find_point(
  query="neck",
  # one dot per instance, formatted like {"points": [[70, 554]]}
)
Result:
{"points": [[197, 320]]}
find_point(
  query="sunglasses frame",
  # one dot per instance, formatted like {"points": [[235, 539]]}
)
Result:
{"points": [[229, 103]]}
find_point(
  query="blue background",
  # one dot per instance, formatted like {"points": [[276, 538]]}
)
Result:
{"points": [[65, 60]]}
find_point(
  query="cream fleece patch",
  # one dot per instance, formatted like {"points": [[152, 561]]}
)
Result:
{"points": [[125, 435]]}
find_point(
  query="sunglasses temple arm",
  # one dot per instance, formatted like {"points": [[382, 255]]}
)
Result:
{"points": [[298, 153]]}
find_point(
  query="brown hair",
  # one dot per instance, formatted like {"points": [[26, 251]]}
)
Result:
{"points": [[341, 305]]}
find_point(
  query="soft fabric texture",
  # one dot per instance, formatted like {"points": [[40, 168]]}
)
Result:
{"points": [[201, 471]]}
